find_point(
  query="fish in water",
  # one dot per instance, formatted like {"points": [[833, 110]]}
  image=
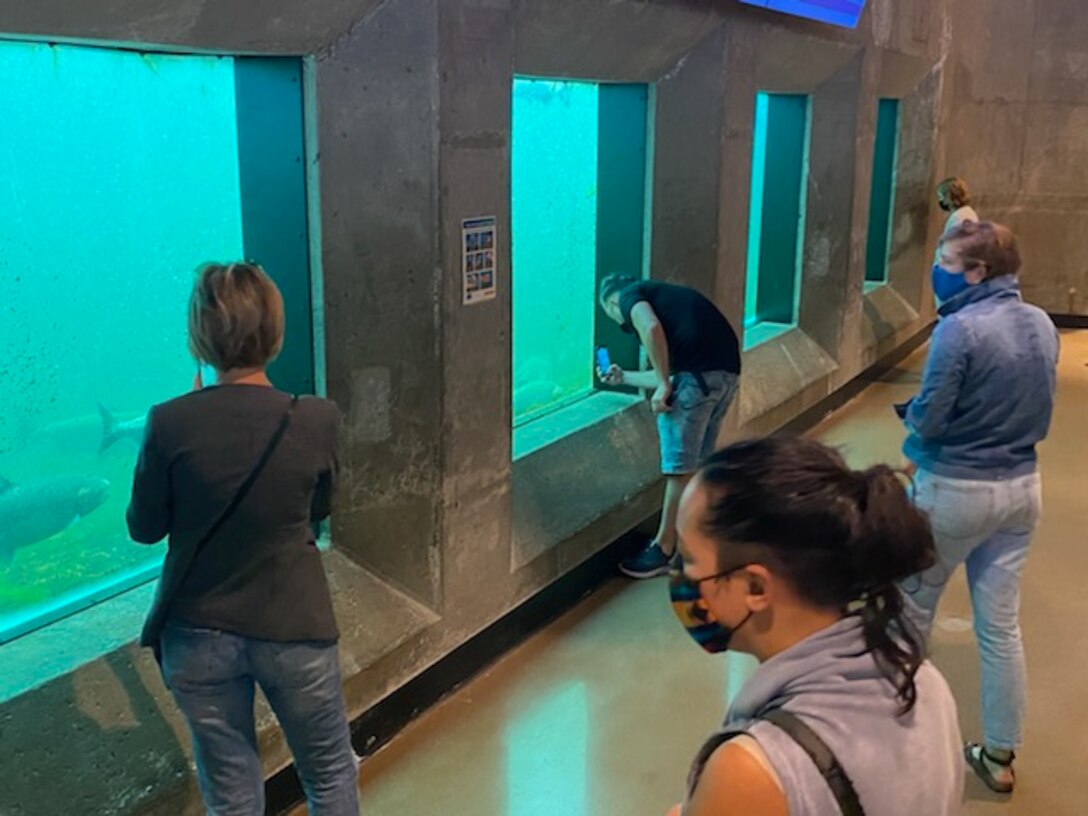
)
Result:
{"points": [[35, 511], [86, 434], [114, 429], [535, 395]]}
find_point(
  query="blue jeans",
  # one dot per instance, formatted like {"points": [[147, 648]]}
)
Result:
{"points": [[213, 676], [689, 432], [987, 526]]}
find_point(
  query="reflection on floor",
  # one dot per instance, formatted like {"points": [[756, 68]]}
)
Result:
{"points": [[601, 712]]}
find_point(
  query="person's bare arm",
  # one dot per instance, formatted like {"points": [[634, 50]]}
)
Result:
{"points": [[734, 783]]}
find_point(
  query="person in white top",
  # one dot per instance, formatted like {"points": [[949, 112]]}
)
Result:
{"points": [[955, 199]]}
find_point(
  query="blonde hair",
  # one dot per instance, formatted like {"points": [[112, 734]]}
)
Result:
{"points": [[955, 190], [235, 316], [986, 244]]}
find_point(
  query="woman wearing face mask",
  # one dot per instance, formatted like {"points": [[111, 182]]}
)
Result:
{"points": [[986, 401], [955, 199], [792, 557]]}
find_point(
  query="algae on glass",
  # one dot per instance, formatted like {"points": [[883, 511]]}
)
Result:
{"points": [[120, 176], [554, 242]]}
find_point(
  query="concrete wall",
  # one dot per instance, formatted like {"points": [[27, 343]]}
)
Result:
{"points": [[439, 530], [1018, 132]]}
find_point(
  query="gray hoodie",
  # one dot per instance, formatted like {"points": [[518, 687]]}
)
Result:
{"points": [[900, 766]]}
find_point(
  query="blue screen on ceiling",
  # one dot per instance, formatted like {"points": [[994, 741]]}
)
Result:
{"points": [[837, 12]]}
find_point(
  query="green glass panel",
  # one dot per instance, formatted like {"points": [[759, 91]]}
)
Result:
{"points": [[120, 175], [554, 244], [882, 193], [777, 209]]}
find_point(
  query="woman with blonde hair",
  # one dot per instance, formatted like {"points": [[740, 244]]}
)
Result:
{"points": [[235, 473]]}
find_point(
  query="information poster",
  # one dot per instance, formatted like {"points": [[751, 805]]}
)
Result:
{"points": [[478, 259]]}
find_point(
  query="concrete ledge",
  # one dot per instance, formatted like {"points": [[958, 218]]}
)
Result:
{"points": [[55, 650], [551, 428], [560, 489], [885, 312], [778, 370], [886, 315], [109, 710]]}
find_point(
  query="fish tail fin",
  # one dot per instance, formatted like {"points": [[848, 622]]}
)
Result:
{"points": [[109, 427]]}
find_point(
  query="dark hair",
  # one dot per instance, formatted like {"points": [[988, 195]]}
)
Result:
{"points": [[615, 282], [955, 190], [986, 244], [841, 538]]}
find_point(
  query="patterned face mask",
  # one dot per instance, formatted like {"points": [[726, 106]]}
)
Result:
{"points": [[690, 610]]}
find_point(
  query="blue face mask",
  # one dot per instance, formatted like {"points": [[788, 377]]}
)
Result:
{"points": [[946, 285]]}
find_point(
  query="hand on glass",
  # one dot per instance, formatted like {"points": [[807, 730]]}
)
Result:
{"points": [[614, 375], [660, 401]]}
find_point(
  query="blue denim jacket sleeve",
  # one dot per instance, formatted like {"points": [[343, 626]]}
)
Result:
{"points": [[929, 414]]}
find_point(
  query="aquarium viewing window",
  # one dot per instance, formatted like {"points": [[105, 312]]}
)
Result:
{"points": [[578, 201], [776, 220], [882, 192], [122, 172]]}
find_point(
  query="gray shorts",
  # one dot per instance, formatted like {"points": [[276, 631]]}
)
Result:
{"points": [[689, 432]]}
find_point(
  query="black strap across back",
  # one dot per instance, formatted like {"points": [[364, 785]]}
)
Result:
{"points": [[826, 762]]}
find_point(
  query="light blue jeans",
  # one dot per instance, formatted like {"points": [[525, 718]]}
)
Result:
{"points": [[986, 525], [213, 676]]}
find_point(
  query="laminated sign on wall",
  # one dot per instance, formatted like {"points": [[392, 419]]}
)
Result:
{"points": [[478, 259]]}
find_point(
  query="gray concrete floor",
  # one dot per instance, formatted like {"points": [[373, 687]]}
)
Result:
{"points": [[601, 712]]}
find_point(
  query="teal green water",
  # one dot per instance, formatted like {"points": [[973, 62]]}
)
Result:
{"points": [[554, 243], [777, 210], [882, 192], [118, 175]]}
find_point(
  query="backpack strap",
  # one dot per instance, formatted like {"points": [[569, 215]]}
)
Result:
{"points": [[826, 762]]}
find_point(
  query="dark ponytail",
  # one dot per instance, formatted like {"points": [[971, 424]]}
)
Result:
{"points": [[842, 538], [892, 541]]}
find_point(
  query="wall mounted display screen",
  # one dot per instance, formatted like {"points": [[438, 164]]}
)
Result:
{"points": [[844, 13]]}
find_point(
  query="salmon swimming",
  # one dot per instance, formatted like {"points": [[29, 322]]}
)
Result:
{"points": [[38, 510]]}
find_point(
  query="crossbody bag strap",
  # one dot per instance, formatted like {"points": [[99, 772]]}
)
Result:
{"points": [[826, 762], [281, 429]]}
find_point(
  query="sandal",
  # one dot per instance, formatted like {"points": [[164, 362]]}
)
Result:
{"points": [[976, 756]]}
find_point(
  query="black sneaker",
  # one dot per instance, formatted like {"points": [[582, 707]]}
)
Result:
{"points": [[649, 563]]}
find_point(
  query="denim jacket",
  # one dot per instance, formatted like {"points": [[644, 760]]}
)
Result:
{"points": [[988, 389]]}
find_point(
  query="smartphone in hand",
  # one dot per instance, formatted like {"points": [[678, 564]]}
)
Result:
{"points": [[604, 360]]}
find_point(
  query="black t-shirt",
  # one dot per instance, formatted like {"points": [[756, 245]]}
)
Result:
{"points": [[699, 336]]}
